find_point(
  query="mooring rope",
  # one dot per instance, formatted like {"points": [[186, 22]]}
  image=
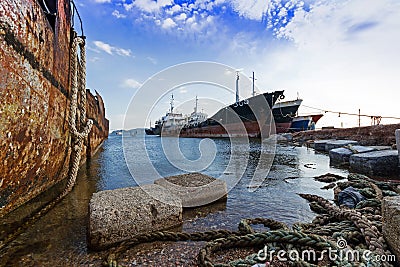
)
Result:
{"points": [[78, 85], [361, 228]]}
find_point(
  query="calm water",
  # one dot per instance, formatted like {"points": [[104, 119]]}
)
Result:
{"points": [[60, 236]]}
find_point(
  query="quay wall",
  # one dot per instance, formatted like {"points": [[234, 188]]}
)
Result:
{"points": [[35, 143], [378, 135]]}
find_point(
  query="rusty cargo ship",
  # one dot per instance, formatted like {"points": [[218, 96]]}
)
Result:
{"points": [[35, 90]]}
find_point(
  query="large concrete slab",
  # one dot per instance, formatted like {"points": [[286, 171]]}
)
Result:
{"points": [[391, 223], [319, 145], [117, 215], [195, 189], [384, 162], [338, 143], [342, 155]]}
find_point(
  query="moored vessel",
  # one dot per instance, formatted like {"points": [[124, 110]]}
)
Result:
{"points": [[284, 112], [36, 84]]}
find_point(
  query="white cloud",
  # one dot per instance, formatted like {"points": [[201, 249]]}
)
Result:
{"points": [[148, 6], [342, 59], [250, 9], [118, 15], [131, 83], [168, 23], [181, 16], [109, 49], [152, 60], [102, 1], [104, 47]]}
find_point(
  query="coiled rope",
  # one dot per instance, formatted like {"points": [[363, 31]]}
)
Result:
{"points": [[360, 228], [78, 85]]}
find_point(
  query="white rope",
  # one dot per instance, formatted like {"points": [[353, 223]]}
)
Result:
{"points": [[78, 85]]}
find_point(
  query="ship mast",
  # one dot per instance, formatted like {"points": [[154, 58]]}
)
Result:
{"points": [[253, 83], [195, 107], [237, 86], [172, 103]]}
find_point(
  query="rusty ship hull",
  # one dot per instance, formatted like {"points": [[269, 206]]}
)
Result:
{"points": [[35, 86]]}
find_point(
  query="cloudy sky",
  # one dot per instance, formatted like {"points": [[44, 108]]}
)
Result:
{"points": [[336, 55]]}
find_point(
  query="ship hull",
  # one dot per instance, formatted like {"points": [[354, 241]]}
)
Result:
{"points": [[251, 117], [284, 112], [35, 141]]}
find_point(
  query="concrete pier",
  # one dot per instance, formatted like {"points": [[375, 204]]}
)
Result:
{"points": [[120, 214], [341, 155], [338, 143], [383, 162]]}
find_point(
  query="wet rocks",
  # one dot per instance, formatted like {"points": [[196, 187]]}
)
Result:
{"points": [[391, 223], [383, 162], [117, 215], [341, 155], [319, 145], [194, 189], [338, 143]]}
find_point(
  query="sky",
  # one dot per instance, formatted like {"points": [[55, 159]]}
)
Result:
{"points": [[336, 55]]}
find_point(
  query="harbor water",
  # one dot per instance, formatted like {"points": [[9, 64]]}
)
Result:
{"points": [[59, 237]]}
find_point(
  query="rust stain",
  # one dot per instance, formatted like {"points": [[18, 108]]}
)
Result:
{"points": [[34, 88]]}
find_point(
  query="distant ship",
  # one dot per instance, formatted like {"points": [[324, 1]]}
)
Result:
{"points": [[284, 112], [236, 120], [305, 123], [170, 124]]}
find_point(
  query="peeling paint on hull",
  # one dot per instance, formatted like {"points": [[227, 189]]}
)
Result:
{"points": [[34, 89]]}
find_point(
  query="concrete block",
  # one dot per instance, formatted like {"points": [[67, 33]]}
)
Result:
{"points": [[383, 162], [342, 155], [338, 143], [397, 132], [117, 215], [195, 189], [319, 145], [391, 223]]}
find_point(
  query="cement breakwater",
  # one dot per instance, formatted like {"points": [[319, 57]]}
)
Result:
{"points": [[378, 135]]}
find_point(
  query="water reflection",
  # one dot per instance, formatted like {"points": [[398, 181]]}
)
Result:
{"points": [[60, 236]]}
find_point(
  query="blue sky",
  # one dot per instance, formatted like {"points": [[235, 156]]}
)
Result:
{"points": [[337, 55]]}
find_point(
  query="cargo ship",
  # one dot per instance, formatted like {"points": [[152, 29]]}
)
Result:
{"points": [[251, 117], [36, 141], [284, 112]]}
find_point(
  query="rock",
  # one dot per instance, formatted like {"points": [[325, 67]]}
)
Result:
{"points": [[391, 223], [342, 155], [120, 214], [397, 132], [195, 189], [383, 162], [319, 145], [338, 143]]}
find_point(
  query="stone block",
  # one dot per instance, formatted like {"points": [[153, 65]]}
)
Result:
{"points": [[391, 223], [319, 145], [342, 155], [117, 215], [195, 189], [338, 143], [384, 162]]}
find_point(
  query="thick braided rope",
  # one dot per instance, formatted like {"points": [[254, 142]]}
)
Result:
{"points": [[259, 240], [372, 235]]}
